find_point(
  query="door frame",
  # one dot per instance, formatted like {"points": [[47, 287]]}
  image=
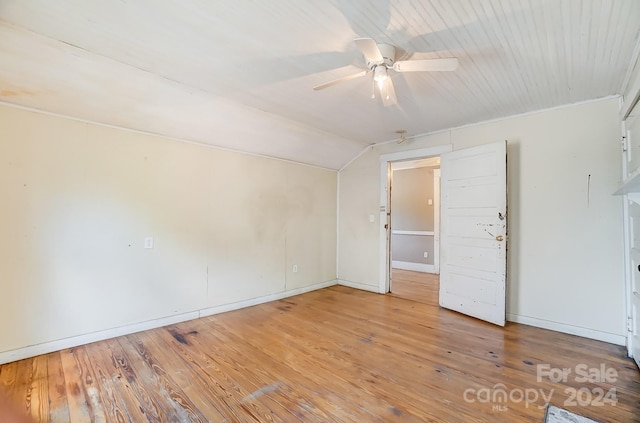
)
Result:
{"points": [[436, 221], [627, 239], [385, 198]]}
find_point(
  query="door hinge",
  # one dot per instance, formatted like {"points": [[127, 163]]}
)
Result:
{"points": [[624, 144], [629, 324]]}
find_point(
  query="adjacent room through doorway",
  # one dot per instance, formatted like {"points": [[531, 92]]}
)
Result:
{"points": [[414, 217], [416, 286]]}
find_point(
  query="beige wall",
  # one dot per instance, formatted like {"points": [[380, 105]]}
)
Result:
{"points": [[411, 249], [565, 247], [79, 199], [412, 188], [410, 211]]}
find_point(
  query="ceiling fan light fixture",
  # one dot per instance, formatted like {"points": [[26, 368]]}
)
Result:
{"points": [[379, 58], [380, 74]]}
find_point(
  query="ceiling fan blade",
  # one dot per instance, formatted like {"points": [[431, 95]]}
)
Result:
{"points": [[339, 80], [449, 64], [388, 94], [369, 49]]}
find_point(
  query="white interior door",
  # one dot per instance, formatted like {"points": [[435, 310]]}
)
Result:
{"points": [[473, 231], [635, 320], [633, 213]]}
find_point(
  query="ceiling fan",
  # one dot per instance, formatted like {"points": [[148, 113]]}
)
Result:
{"points": [[380, 59]]}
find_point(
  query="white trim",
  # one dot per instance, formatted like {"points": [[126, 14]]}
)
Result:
{"points": [[364, 150], [415, 233], [415, 267], [337, 226], [631, 86], [500, 119], [265, 299], [624, 88], [385, 159], [166, 137], [416, 164], [358, 285], [386, 176], [535, 112], [628, 290], [74, 341], [611, 338], [627, 236], [416, 154], [60, 344], [436, 221]]}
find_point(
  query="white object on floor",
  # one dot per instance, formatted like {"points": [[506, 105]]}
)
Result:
{"points": [[558, 415]]}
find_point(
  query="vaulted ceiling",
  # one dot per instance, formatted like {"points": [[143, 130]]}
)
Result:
{"points": [[239, 74]]}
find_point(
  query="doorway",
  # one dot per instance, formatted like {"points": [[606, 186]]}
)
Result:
{"points": [[473, 224], [415, 286], [415, 229], [386, 167]]}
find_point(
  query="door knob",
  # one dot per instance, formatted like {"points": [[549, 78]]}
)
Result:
{"points": [[499, 238]]}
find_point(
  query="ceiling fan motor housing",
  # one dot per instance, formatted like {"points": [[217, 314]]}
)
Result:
{"points": [[388, 53]]}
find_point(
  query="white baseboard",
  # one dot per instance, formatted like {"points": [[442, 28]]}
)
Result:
{"points": [[358, 285], [611, 338], [416, 267], [74, 341], [260, 300]]}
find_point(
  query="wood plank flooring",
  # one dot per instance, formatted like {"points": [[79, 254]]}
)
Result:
{"points": [[416, 286], [333, 355]]}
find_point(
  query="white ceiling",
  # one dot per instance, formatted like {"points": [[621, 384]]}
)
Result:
{"points": [[239, 74]]}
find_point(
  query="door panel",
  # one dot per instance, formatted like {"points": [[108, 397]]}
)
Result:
{"points": [[479, 257], [479, 194], [473, 166], [471, 287], [634, 220], [473, 232], [635, 305]]}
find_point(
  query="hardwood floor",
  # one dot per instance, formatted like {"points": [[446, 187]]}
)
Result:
{"points": [[333, 355], [416, 286]]}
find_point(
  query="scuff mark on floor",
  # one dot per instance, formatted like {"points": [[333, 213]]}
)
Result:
{"points": [[264, 390], [96, 406]]}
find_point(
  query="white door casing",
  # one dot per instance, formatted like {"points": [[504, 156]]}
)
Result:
{"points": [[385, 159], [631, 223], [634, 325], [436, 221], [473, 232]]}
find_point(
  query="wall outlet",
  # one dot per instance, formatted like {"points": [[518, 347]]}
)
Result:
{"points": [[372, 218], [295, 268], [426, 254], [148, 242]]}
